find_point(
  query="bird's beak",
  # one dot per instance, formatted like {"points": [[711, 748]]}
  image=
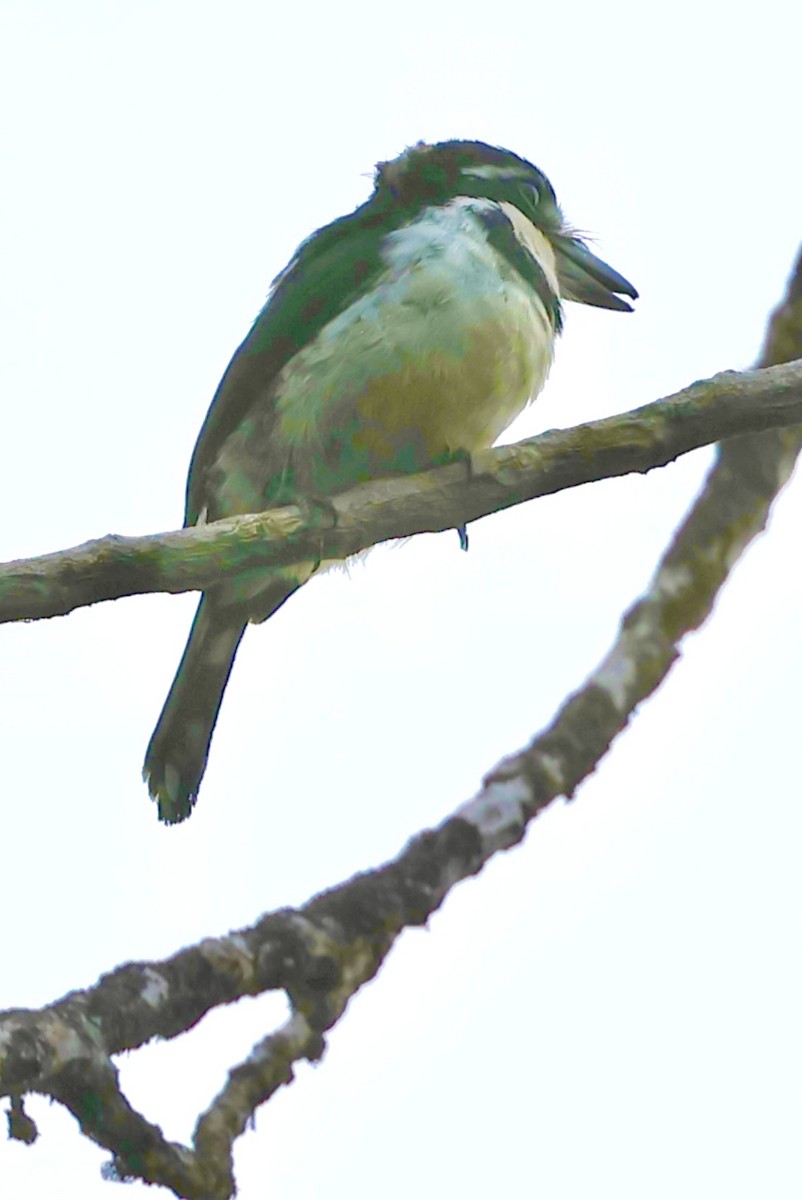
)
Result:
{"points": [[586, 279]]}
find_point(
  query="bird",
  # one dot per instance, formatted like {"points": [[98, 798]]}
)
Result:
{"points": [[408, 332]]}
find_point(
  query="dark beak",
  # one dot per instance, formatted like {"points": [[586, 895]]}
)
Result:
{"points": [[586, 279]]}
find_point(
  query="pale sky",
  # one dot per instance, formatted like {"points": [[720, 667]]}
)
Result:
{"points": [[611, 1009]]}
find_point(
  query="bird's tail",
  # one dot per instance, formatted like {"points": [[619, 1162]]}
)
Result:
{"points": [[177, 753]]}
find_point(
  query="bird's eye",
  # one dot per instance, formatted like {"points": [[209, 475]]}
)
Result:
{"points": [[527, 197]]}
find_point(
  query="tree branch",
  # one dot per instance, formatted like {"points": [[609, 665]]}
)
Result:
{"points": [[322, 953], [729, 404]]}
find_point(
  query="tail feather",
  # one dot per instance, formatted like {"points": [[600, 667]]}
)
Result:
{"points": [[176, 756]]}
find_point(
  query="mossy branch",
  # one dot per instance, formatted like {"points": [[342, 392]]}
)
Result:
{"points": [[729, 404]]}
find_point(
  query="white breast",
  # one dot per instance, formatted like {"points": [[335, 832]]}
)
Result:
{"points": [[451, 341]]}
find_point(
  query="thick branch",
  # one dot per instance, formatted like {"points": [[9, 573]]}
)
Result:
{"points": [[728, 404]]}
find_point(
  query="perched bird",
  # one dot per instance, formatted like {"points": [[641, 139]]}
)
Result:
{"points": [[415, 328]]}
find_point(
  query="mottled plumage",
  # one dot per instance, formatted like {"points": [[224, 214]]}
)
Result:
{"points": [[417, 327]]}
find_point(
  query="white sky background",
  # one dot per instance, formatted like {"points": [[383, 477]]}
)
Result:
{"points": [[611, 1010]]}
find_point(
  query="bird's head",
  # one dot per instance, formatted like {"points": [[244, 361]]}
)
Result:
{"points": [[434, 174]]}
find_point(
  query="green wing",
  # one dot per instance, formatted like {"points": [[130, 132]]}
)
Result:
{"points": [[330, 270]]}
